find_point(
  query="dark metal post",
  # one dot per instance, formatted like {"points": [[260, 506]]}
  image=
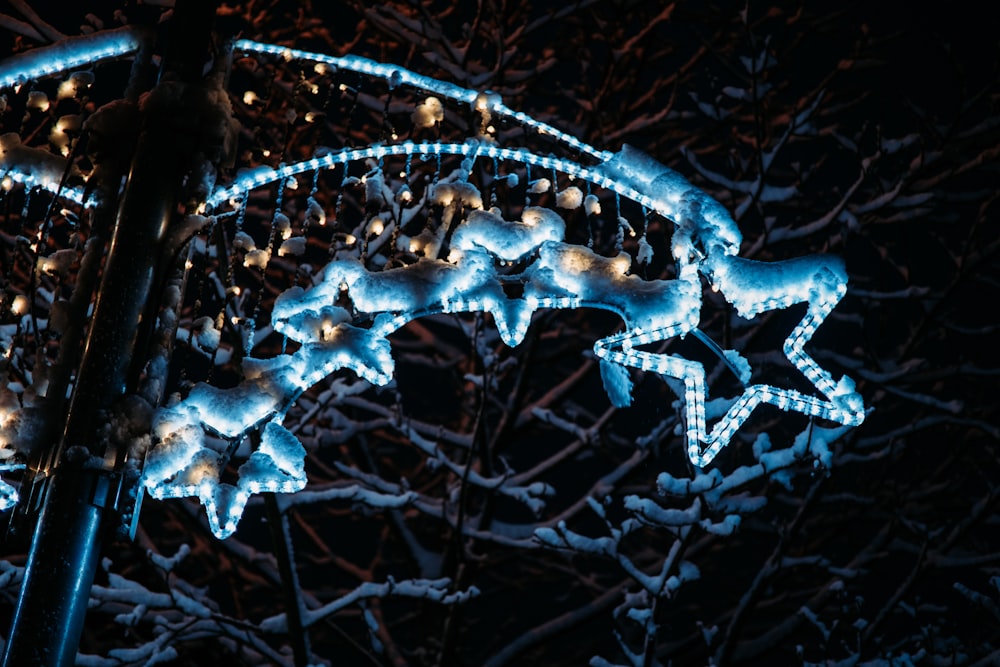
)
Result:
{"points": [[81, 493]]}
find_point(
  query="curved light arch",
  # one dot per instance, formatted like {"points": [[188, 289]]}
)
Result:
{"points": [[67, 54], [394, 74], [262, 176], [669, 204], [30, 180], [705, 243]]}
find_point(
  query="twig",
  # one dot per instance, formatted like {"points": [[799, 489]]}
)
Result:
{"points": [[277, 521]]}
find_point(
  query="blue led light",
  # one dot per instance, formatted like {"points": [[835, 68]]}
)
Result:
{"points": [[68, 54], [482, 101], [556, 275]]}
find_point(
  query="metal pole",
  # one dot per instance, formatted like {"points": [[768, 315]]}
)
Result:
{"points": [[79, 501]]}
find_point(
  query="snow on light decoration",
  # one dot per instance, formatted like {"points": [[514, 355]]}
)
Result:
{"points": [[69, 53], [35, 167], [26, 169], [185, 464], [30, 168], [467, 264], [345, 318]]}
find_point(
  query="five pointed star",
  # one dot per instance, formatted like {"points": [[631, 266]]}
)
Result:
{"points": [[818, 285], [561, 276]]}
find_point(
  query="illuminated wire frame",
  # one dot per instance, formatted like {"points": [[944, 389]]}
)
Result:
{"points": [[67, 54], [557, 275]]}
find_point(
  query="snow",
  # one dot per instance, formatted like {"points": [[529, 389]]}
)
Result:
{"points": [[737, 361], [38, 100], [58, 263], [257, 259], [34, 167], [486, 253], [670, 194], [205, 333], [243, 241], [457, 193], [185, 464], [509, 241], [570, 198], [294, 246], [435, 590], [653, 513], [540, 185], [75, 84], [67, 54], [428, 113], [593, 206], [182, 466], [315, 213], [617, 383], [754, 287], [62, 131]]}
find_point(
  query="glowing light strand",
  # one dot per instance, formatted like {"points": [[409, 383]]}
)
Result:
{"points": [[561, 276], [260, 176], [16, 162], [394, 74], [33, 180], [68, 54], [558, 275]]}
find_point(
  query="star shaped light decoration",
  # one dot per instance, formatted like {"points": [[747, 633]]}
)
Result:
{"points": [[188, 458], [183, 464], [556, 275], [565, 276], [752, 288], [186, 467]]}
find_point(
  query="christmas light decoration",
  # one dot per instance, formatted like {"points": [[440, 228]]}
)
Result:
{"points": [[198, 435], [483, 101], [67, 54]]}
